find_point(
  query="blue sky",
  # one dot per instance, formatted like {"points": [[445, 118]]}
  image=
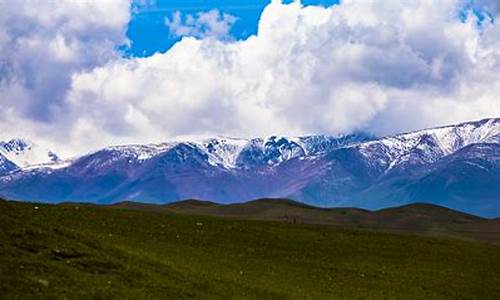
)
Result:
{"points": [[148, 33]]}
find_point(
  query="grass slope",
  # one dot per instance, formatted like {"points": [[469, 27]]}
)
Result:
{"points": [[419, 218], [78, 251]]}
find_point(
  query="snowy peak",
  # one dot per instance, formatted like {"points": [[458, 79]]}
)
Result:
{"points": [[270, 151], [224, 152], [429, 145], [135, 152], [399, 151], [242, 153], [16, 145], [24, 153], [452, 138]]}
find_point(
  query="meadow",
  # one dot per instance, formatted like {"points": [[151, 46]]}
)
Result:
{"points": [[81, 251]]}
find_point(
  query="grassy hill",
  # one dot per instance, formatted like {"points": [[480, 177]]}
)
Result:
{"points": [[420, 218], [78, 251]]}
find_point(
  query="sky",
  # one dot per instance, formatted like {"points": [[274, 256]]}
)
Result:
{"points": [[76, 76], [148, 33]]}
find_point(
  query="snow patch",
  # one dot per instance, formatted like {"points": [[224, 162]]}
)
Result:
{"points": [[24, 153]]}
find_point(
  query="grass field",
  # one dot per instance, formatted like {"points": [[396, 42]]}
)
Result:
{"points": [[418, 218], [78, 251]]}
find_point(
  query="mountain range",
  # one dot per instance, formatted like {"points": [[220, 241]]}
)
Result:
{"points": [[456, 166]]}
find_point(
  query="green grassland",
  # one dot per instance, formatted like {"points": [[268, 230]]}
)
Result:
{"points": [[417, 218], [82, 251]]}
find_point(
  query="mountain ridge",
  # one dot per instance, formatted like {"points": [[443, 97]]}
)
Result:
{"points": [[435, 165]]}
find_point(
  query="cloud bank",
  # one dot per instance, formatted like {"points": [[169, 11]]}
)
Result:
{"points": [[42, 45], [383, 66]]}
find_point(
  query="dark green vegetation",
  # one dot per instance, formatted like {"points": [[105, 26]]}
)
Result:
{"points": [[421, 219], [77, 251]]}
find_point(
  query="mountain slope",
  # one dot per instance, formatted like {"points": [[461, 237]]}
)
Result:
{"points": [[6, 165], [456, 166], [405, 169], [222, 169], [470, 173]]}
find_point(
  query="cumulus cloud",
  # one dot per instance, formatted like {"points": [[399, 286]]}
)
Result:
{"points": [[42, 44], [383, 66], [210, 24]]}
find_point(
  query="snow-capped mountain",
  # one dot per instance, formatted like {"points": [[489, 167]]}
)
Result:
{"points": [[457, 166], [230, 153], [23, 153], [428, 146]]}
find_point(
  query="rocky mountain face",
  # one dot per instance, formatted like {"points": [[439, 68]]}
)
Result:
{"points": [[457, 166], [6, 165]]}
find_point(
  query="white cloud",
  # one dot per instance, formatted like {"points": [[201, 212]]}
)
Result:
{"points": [[209, 24], [42, 44], [383, 66]]}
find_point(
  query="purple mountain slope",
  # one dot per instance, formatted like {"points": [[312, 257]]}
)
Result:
{"points": [[457, 166], [6, 165]]}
